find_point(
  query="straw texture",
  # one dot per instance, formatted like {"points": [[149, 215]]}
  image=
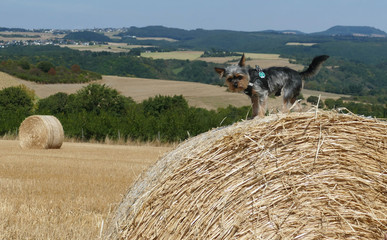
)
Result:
{"points": [[41, 131], [316, 175]]}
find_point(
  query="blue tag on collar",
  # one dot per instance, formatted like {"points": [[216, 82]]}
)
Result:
{"points": [[261, 74]]}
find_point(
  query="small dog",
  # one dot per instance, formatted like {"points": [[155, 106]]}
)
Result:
{"points": [[258, 83]]}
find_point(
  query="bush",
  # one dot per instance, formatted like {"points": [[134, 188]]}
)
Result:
{"points": [[75, 68], [98, 98], [24, 64], [160, 104], [52, 72], [45, 66], [330, 103], [16, 104], [314, 100], [54, 104]]}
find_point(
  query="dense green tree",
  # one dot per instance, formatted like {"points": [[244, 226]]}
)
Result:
{"points": [[330, 103], [314, 100], [16, 98], [23, 63], [45, 66], [53, 104], [75, 68], [160, 104], [97, 98], [16, 104]]}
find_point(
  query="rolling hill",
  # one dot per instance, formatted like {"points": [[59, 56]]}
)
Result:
{"points": [[364, 31], [87, 36]]}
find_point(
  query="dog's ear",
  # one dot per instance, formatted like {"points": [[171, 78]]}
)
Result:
{"points": [[242, 61], [220, 71]]}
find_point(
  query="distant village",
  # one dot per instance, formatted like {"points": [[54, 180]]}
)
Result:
{"points": [[23, 37], [40, 42]]}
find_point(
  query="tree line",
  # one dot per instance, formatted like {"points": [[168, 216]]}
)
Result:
{"points": [[364, 109], [98, 112]]}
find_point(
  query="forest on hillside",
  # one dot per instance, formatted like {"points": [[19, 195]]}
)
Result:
{"points": [[119, 64]]}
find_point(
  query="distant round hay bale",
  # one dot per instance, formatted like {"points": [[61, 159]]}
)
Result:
{"points": [[41, 131], [297, 176]]}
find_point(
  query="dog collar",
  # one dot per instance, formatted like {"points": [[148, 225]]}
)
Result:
{"points": [[249, 90]]}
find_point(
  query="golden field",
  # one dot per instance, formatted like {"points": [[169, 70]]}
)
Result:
{"points": [[66, 193], [7, 80], [110, 47], [264, 60]]}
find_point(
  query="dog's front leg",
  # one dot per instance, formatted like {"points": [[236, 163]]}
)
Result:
{"points": [[262, 106], [255, 104]]}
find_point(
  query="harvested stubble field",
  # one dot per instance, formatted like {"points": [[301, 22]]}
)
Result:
{"points": [[7, 80], [65, 193], [262, 59], [110, 47], [181, 55]]}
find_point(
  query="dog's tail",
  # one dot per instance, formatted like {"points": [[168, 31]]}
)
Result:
{"points": [[314, 67]]}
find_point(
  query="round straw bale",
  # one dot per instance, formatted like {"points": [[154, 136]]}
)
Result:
{"points": [[41, 131], [314, 175]]}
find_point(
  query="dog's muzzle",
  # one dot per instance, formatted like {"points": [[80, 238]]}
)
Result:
{"points": [[235, 84]]}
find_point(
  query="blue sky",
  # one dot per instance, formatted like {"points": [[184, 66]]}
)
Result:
{"points": [[245, 15]]}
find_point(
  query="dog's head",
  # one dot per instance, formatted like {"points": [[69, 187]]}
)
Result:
{"points": [[237, 76]]}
